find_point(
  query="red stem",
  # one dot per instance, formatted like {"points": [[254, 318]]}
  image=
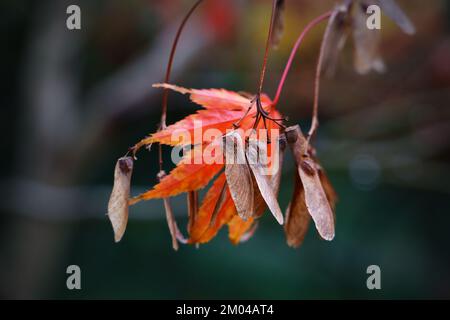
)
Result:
{"points": [[305, 31]]}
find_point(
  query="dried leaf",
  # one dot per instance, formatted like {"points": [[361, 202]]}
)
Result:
{"points": [[254, 150], [366, 41], [297, 216], [238, 175], [315, 197], [278, 24], [118, 202], [393, 11]]}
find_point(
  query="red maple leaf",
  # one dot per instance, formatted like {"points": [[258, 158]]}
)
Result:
{"points": [[221, 110]]}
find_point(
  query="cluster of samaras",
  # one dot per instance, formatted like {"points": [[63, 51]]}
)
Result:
{"points": [[240, 192]]}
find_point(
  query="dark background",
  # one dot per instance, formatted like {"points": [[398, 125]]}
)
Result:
{"points": [[72, 102]]}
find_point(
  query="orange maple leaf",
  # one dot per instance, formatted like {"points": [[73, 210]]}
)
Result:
{"points": [[221, 110]]}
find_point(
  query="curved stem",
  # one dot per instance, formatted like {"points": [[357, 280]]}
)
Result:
{"points": [[305, 31], [315, 114], [174, 231], [167, 76]]}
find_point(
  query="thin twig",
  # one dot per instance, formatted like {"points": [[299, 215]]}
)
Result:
{"points": [[175, 232], [268, 42], [260, 112], [315, 115], [167, 77]]}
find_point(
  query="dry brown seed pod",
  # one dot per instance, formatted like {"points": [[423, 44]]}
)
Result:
{"points": [[118, 201], [351, 17], [326, 183], [275, 178], [238, 175], [258, 200], [297, 216], [328, 187], [366, 44], [256, 150], [393, 11], [315, 198]]}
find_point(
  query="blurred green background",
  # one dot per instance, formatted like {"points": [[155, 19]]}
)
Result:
{"points": [[74, 101]]}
